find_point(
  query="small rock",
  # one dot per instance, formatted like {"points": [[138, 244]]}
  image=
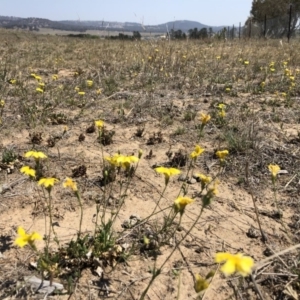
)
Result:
{"points": [[182, 178], [125, 246], [137, 217], [253, 233], [42, 286], [267, 252], [192, 181], [99, 272]]}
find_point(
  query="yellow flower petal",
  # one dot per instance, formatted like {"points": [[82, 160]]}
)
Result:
{"points": [[48, 182], [69, 183], [182, 202], [204, 118], [21, 231], [274, 169], [198, 150], [222, 154], [35, 154], [167, 172], [228, 268], [200, 284], [28, 171], [99, 123], [23, 239], [235, 263]]}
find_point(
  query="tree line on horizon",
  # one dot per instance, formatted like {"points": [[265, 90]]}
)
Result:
{"points": [[268, 18]]}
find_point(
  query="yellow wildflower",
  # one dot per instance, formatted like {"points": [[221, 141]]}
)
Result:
{"points": [[167, 172], [77, 89], [204, 179], [274, 169], [146, 240], [213, 189], [272, 69], [235, 263], [35, 154], [12, 81], [2, 103], [25, 238], [222, 113], [28, 171], [221, 106], [69, 183], [201, 283], [99, 124], [211, 192], [204, 118], [287, 72], [39, 90], [81, 93], [113, 160], [48, 182], [125, 161], [99, 91], [55, 77], [246, 62], [292, 78], [198, 150], [181, 202], [222, 154], [89, 83], [262, 84], [227, 90], [38, 78], [42, 85], [218, 57]]}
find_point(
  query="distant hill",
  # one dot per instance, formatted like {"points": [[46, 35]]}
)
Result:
{"points": [[82, 26], [183, 25]]}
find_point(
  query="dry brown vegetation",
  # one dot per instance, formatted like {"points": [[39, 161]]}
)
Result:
{"points": [[150, 95]]}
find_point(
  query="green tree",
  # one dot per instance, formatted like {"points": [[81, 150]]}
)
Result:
{"points": [[136, 35], [277, 14], [203, 33], [193, 33]]}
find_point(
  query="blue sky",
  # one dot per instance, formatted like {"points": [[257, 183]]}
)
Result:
{"points": [[150, 12]]}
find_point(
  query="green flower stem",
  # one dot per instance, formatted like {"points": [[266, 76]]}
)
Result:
{"points": [[279, 212], [51, 227], [156, 273], [122, 197], [81, 211], [200, 132], [154, 210], [187, 174], [169, 220]]}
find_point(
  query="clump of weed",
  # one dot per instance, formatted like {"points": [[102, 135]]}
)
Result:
{"points": [[155, 138], [8, 155]]}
